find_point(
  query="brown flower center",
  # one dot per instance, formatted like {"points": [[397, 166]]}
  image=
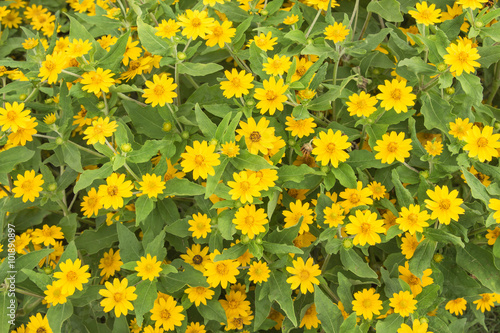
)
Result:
{"points": [[412, 218], [112, 190], [118, 297], [304, 275], [244, 186], [50, 65], [396, 94], [463, 57], [365, 228], [354, 198], [271, 96], [197, 259], [41, 330], [330, 148], [222, 269], [445, 204], [165, 314], [255, 136], [392, 147], [196, 22], [249, 221]]}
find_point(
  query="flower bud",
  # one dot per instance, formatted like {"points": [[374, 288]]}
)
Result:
{"points": [[478, 24], [52, 187], [167, 126], [325, 169], [126, 147], [101, 105], [438, 257], [450, 90], [185, 135], [181, 55], [442, 67], [22, 97], [48, 270], [245, 239], [59, 141], [347, 243], [213, 142]]}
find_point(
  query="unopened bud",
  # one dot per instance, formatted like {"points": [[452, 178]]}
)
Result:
{"points": [[347, 243], [126, 147]]}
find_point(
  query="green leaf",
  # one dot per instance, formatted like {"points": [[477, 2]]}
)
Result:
{"points": [[246, 160], [58, 314], [281, 248], [157, 247], [390, 324], [154, 44], [496, 249], [293, 173], [232, 253], [28, 261], [212, 311], [478, 190], [405, 199], [480, 262], [364, 159], [190, 276], [436, 111], [146, 295], [198, 69], [143, 207], [147, 151], [471, 84], [207, 127], [41, 280], [183, 187], [89, 176], [214, 180], [344, 292], [146, 119], [78, 31], [72, 156], [130, 247], [280, 292], [92, 241], [422, 257], [296, 36], [68, 226], [7, 301], [113, 58], [353, 262], [417, 66], [489, 55], [345, 175], [427, 298], [11, 157], [328, 313], [442, 236], [241, 29], [179, 228], [388, 9], [225, 224], [349, 325]]}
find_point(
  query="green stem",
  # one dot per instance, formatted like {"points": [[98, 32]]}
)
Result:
{"points": [[90, 151], [123, 96], [495, 85], [178, 88], [177, 121], [313, 23], [241, 63], [72, 74], [63, 207], [27, 293], [106, 107], [410, 167], [131, 172], [327, 289], [325, 263], [365, 25], [9, 193]]}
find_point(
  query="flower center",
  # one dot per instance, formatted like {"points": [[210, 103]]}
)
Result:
{"points": [[50, 65], [12, 115], [445, 204], [159, 90], [463, 57], [304, 275], [112, 190], [392, 147], [41, 330], [301, 71], [236, 82], [200, 290], [365, 228], [98, 129], [413, 280], [197, 259], [482, 142], [222, 269], [244, 186], [97, 79], [255, 136], [425, 15], [27, 185], [249, 221], [396, 94], [238, 322], [412, 218], [217, 32], [71, 276], [165, 314], [354, 198], [148, 268], [330, 148], [196, 22], [199, 159], [118, 297], [271, 95], [233, 304], [367, 303]]}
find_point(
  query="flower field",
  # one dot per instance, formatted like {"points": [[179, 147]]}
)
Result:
{"points": [[249, 166]]}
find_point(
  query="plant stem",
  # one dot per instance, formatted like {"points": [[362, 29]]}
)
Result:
{"points": [[177, 121], [123, 96], [90, 151], [106, 108], [313, 23], [241, 63], [365, 25], [410, 167], [9, 193]]}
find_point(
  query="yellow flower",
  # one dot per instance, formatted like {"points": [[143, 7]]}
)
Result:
{"points": [[361, 105], [132, 51], [244, 187], [110, 263], [495, 205], [412, 219], [99, 131], [396, 95], [152, 185], [78, 48], [426, 14], [118, 296], [485, 302], [265, 42], [472, 4], [329, 147], [413, 281], [195, 23], [456, 306], [200, 159], [403, 303], [115, 190], [107, 41], [277, 65], [250, 220], [14, 116], [445, 205], [221, 272], [300, 127], [322, 4], [258, 272], [91, 203], [49, 119], [303, 275], [200, 225], [47, 235], [167, 29], [11, 19], [97, 81], [134, 327], [434, 148], [199, 295], [334, 215], [72, 276], [409, 244], [291, 19], [298, 210], [418, 327], [23, 134], [393, 146], [310, 318], [336, 32], [272, 96], [266, 178], [366, 227], [238, 84], [38, 324], [484, 179], [54, 295], [160, 91], [461, 57], [28, 186], [492, 235], [355, 197], [258, 136], [30, 43], [219, 34], [483, 144], [197, 257], [301, 67], [378, 190], [230, 149], [148, 268], [235, 304], [366, 303]]}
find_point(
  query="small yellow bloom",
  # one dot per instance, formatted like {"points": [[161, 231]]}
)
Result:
{"points": [[426, 14], [148, 268], [303, 275], [336, 32], [118, 295], [28, 186]]}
